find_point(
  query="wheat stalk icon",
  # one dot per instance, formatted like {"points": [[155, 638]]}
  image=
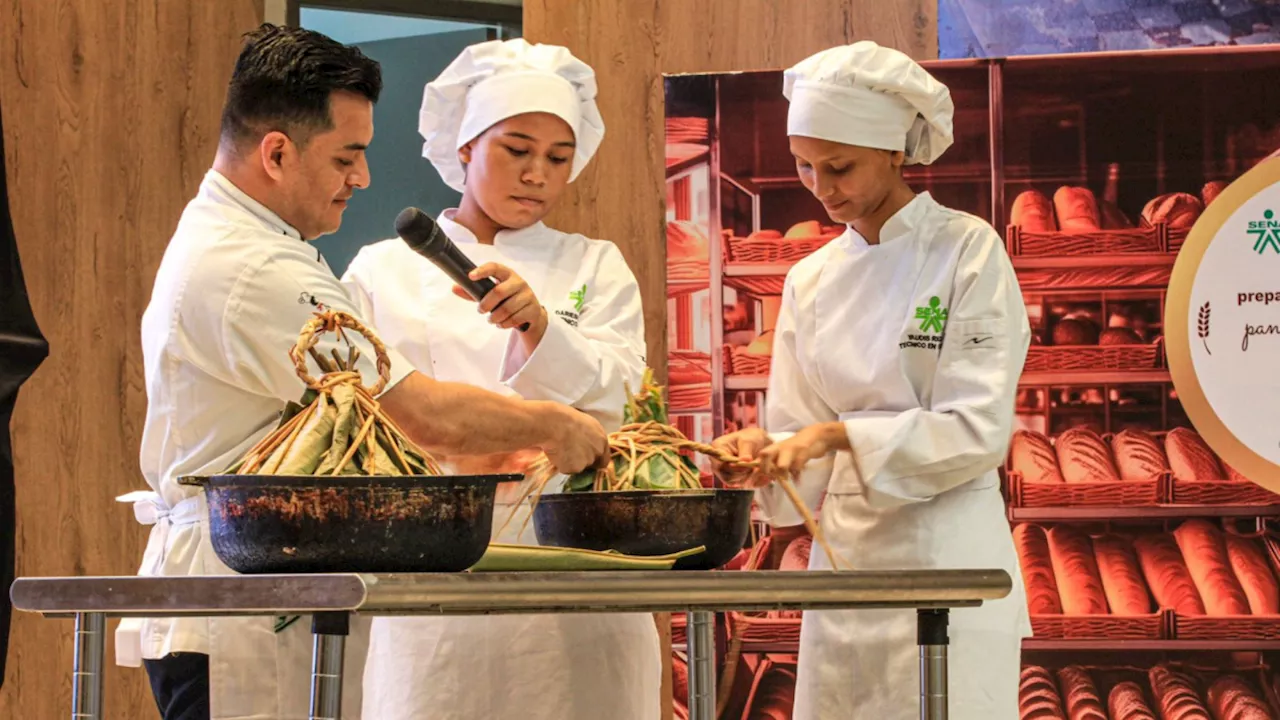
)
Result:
{"points": [[1202, 326]]}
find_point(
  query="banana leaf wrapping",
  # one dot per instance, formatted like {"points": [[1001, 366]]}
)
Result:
{"points": [[647, 451], [337, 428], [649, 454]]}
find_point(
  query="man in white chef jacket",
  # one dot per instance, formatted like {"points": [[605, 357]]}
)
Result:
{"points": [[237, 283]]}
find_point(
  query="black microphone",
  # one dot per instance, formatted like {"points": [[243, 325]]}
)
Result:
{"points": [[424, 237]]}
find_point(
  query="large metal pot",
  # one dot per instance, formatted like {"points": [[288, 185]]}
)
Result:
{"points": [[349, 523], [649, 522]]}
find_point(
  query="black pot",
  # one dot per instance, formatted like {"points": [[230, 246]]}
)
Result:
{"points": [[350, 523], [649, 522]]}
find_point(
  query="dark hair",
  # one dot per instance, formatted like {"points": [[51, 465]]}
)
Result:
{"points": [[283, 79]]}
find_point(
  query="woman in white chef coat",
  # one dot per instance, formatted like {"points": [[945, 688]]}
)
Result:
{"points": [[896, 358], [509, 125]]}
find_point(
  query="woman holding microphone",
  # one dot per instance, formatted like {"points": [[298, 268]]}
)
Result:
{"points": [[510, 125], [896, 358]]}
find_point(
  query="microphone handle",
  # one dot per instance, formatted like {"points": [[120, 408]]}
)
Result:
{"points": [[477, 289]]}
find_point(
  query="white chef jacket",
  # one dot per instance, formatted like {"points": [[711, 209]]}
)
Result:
{"points": [[553, 667], [916, 345], [234, 289]]}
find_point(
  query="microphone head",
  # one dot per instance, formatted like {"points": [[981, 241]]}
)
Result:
{"points": [[419, 231]]}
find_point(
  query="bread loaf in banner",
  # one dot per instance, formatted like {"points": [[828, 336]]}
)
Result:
{"points": [[1205, 552], [1076, 570], [1231, 698], [1176, 696], [1032, 211], [1121, 576], [1254, 573], [1037, 570], [1177, 210], [1077, 209], [1084, 457], [1139, 457], [1081, 695], [1127, 702], [1167, 575], [1190, 457], [1032, 455]]}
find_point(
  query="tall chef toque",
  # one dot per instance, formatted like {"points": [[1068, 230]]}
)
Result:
{"points": [[495, 80], [870, 96]]}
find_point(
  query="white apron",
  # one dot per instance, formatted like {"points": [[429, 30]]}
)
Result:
{"points": [[513, 667], [915, 346]]}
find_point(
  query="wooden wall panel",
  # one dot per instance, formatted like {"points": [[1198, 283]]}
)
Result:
{"points": [[111, 112], [631, 43]]}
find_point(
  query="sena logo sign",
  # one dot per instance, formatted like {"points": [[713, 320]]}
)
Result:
{"points": [[1266, 233]]}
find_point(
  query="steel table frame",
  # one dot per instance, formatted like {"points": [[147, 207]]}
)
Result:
{"points": [[330, 600]]}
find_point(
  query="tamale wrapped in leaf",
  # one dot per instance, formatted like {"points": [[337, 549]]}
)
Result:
{"points": [[313, 440], [345, 425]]}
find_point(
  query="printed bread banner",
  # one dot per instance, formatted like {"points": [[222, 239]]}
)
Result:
{"points": [[1223, 326], [1101, 173]]}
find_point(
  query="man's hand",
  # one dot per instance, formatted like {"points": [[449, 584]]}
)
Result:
{"points": [[811, 443], [518, 303], [745, 445], [577, 440]]}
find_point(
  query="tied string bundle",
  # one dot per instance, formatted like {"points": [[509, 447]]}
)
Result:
{"points": [[649, 454], [338, 428]]}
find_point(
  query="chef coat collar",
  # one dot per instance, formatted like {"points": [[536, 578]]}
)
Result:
{"points": [[902, 224], [460, 234], [224, 191]]}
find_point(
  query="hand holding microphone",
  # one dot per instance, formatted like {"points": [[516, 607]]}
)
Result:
{"points": [[510, 302]]}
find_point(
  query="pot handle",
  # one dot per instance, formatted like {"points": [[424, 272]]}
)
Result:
{"points": [[194, 481]]}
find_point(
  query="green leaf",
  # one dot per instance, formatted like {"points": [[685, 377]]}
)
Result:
{"points": [[582, 482]]}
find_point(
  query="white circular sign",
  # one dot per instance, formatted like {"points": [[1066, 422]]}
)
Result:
{"points": [[1222, 325], [1234, 323]]}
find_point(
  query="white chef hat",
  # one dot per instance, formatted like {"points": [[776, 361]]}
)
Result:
{"points": [[495, 80], [871, 96]]}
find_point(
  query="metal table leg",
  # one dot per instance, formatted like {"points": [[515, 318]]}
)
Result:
{"points": [[90, 656], [932, 639], [702, 665], [330, 631]]}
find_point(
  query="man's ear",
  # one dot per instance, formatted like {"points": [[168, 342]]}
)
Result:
{"points": [[897, 159], [276, 151], [464, 152]]}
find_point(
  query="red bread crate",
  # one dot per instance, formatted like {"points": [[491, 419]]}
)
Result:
{"points": [[1085, 358], [1127, 241], [757, 285], [1116, 494], [1230, 627], [737, 361], [773, 250], [1101, 627], [1221, 493]]}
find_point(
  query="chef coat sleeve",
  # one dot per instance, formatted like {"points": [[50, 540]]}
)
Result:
{"points": [[792, 404], [588, 367], [912, 456], [267, 310]]}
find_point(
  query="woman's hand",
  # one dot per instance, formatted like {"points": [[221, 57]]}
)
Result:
{"points": [[511, 303], [745, 445], [791, 455]]}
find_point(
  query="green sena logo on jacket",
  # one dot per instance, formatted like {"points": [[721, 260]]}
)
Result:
{"points": [[932, 317], [579, 298]]}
